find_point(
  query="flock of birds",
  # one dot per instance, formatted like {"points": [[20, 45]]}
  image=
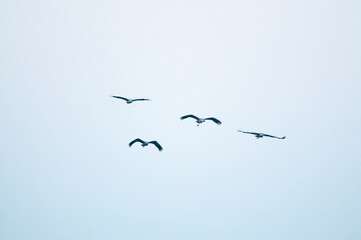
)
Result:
{"points": [[198, 120]]}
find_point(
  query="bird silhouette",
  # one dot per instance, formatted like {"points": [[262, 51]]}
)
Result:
{"points": [[144, 143], [201, 120], [129, 101], [261, 135]]}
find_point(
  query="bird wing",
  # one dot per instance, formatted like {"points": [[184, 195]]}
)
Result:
{"points": [[126, 99], [157, 145], [189, 116], [141, 99], [135, 140], [267, 135], [214, 120], [254, 133]]}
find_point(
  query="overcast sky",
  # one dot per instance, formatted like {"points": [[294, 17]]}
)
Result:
{"points": [[288, 68]]}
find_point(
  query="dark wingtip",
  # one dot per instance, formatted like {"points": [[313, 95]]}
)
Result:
{"points": [[218, 122]]}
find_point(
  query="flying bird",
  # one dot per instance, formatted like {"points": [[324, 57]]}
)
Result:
{"points": [[201, 120], [144, 143], [128, 100], [261, 135]]}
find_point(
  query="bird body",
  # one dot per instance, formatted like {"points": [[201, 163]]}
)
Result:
{"points": [[261, 135], [201, 120], [129, 101], [145, 143]]}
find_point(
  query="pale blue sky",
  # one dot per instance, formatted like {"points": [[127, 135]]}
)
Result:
{"points": [[282, 67]]}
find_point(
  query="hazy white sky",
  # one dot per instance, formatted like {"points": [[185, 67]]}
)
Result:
{"points": [[281, 67]]}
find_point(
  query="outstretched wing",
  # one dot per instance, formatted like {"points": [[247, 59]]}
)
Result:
{"points": [[267, 135], [189, 116], [214, 120], [254, 133], [141, 99], [126, 99], [135, 140], [157, 145]]}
